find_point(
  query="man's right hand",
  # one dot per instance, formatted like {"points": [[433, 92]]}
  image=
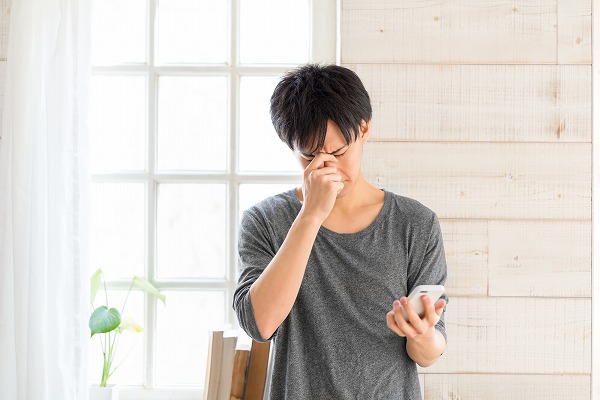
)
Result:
{"points": [[321, 185]]}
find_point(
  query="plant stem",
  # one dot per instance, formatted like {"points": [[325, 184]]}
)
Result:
{"points": [[126, 355], [126, 297]]}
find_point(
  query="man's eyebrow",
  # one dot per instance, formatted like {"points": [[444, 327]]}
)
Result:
{"points": [[333, 152]]}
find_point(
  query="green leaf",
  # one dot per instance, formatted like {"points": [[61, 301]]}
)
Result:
{"points": [[104, 320], [95, 281], [148, 288]]}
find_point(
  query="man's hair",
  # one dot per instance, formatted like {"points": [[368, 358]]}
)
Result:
{"points": [[307, 97]]}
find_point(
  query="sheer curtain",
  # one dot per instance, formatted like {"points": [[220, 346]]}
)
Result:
{"points": [[43, 203]]}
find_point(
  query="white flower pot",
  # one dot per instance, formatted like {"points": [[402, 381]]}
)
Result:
{"points": [[110, 392]]}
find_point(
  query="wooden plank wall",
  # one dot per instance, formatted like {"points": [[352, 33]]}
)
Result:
{"points": [[482, 111]]}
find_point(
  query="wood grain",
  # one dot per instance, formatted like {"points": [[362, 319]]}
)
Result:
{"points": [[502, 387], [486, 180], [466, 247], [500, 103], [540, 258], [574, 32], [449, 32], [517, 336]]}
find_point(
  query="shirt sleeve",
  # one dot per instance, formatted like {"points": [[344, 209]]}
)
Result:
{"points": [[255, 252], [432, 269]]}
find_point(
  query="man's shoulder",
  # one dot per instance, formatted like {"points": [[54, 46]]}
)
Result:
{"points": [[410, 207], [409, 204], [274, 207]]}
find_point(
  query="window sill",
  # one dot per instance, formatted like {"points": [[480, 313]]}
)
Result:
{"points": [[163, 393]]}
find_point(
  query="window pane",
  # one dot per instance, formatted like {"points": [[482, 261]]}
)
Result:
{"points": [[117, 121], [193, 31], [274, 31], [118, 32], [192, 123], [117, 229], [131, 372], [182, 335], [191, 231], [250, 194], [260, 147]]}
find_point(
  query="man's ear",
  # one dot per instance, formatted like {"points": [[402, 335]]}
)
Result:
{"points": [[365, 130]]}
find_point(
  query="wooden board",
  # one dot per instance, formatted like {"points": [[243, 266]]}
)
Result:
{"points": [[500, 103], [517, 336], [486, 180], [574, 31], [449, 32], [540, 258], [466, 247], [502, 387]]}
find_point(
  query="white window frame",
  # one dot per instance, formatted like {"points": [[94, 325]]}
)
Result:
{"points": [[324, 47]]}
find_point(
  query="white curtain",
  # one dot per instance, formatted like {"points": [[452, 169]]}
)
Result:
{"points": [[43, 203]]}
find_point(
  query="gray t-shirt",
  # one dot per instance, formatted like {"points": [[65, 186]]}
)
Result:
{"points": [[335, 343]]}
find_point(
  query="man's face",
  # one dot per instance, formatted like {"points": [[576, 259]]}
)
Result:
{"points": [[349, 156]]}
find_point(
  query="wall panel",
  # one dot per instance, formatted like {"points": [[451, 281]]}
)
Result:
{"points": [[502, 387], [449, 32], [486, 180], [499, 103]]}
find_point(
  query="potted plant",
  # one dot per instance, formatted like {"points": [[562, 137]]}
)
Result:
{"points": [[107, 323]]}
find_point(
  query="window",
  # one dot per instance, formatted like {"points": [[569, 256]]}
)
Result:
{"points": [[181, 142]]}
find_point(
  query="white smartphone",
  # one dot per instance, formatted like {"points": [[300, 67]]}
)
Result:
{"points": [[433, 291]]}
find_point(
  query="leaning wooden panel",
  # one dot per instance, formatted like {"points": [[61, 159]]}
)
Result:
{"points": [[466, 247], [575, 31], [540, 258], [502, 387], [449, 32], [487, 180], [500, 103], [525, 335]]}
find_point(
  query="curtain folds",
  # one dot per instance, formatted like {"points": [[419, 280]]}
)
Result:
{"points": [[44, 197]]}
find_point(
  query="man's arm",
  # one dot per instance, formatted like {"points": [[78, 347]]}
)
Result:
{"points": [[275, 291]]}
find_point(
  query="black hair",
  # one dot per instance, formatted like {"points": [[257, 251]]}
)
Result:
{"points": [[307, 97]]}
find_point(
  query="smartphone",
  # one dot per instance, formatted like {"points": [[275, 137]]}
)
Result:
{"points": [[433, 291]]}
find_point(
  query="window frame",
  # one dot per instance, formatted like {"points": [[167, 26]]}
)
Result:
{"points": [[324, 48]]}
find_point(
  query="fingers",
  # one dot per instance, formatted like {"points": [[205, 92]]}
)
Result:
{"points": [[319, 161], [402, 324], [415, 325], [321, 169], [439, 307], [391, 323], [330, 171], [413, 317]]}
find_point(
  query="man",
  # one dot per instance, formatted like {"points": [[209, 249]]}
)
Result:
{"points": [[324, 268]]}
